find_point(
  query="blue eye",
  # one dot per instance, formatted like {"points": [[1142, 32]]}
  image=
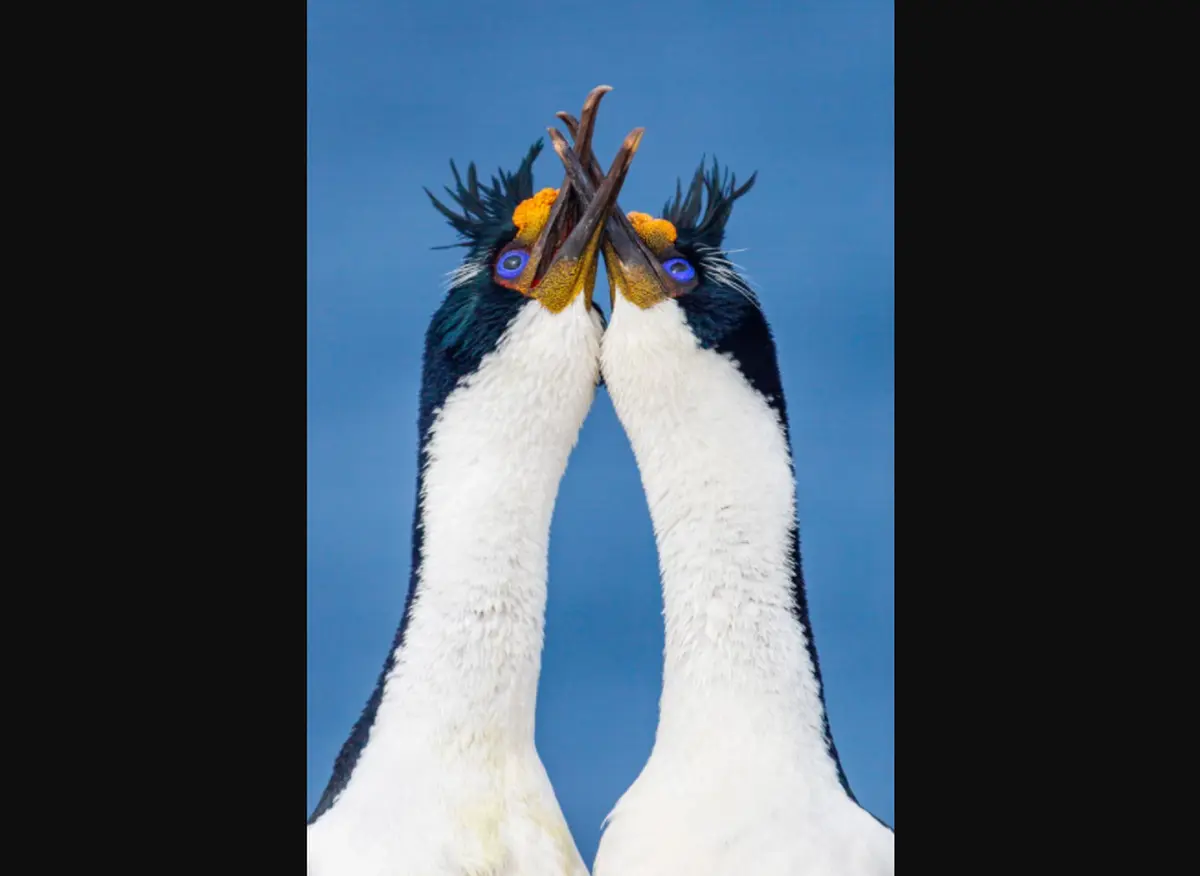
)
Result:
{"points": [[512, 263], [679, 269]]}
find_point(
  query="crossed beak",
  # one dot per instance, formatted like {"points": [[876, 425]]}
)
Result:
{"points": [[633, 269], [571, 266]]}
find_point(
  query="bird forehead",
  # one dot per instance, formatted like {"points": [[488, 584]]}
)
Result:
{"points": [[658, 234], [531, 214]]}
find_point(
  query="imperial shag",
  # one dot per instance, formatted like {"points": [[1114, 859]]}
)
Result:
{"points": [[440, 774], [744, 776]]}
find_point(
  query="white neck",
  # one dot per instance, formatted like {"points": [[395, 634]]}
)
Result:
{"points": [[449, 780], [465, 679], [738, 684]]}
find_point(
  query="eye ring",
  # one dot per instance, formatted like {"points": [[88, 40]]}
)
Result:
{"points": [[680, 270], [512, 263]]}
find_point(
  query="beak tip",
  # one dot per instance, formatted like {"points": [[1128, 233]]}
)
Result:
{"points": [[558, 141]]}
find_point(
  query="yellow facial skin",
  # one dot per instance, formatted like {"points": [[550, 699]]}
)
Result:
{"points": [[636, 281], [658, 234], [566, 277], [531, 215], [543, 220]]}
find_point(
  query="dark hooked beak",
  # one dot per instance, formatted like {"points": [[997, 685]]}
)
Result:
{"points": [[632, 267], [574, 228]]}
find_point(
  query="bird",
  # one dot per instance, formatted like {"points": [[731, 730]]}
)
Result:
{"points": [[744, 776], [440, 774]]}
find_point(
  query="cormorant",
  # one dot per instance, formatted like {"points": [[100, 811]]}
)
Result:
{"points": [[744, 776], [440, 774]]}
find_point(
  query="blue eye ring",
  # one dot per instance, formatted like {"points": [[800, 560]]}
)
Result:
{"points": [[513, 270], [680, 270]]}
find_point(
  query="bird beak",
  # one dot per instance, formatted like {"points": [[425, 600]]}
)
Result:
{"points": [[564, 257], [632, 268], [573, 266]]}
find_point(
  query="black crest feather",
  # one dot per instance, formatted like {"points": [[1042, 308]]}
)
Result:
{"points": [[487, 210], [684, 212]]}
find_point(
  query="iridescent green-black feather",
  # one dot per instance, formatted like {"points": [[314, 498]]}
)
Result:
{"points": [[707, 228], [487, 210]]}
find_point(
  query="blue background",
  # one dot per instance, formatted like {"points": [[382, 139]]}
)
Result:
{"points": [[802, 93]]}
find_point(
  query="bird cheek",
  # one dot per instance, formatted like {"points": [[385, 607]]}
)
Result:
{"points": [[522, 284], [641, 288]]}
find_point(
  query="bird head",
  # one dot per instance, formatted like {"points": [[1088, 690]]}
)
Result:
{"points": [[544, 245], [677, 257]]}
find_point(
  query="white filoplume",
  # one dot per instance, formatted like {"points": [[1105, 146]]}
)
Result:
{"points": [[739, 780], [450, 783]]}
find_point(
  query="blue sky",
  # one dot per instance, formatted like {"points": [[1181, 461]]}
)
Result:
{"points": [[800, 92]]}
